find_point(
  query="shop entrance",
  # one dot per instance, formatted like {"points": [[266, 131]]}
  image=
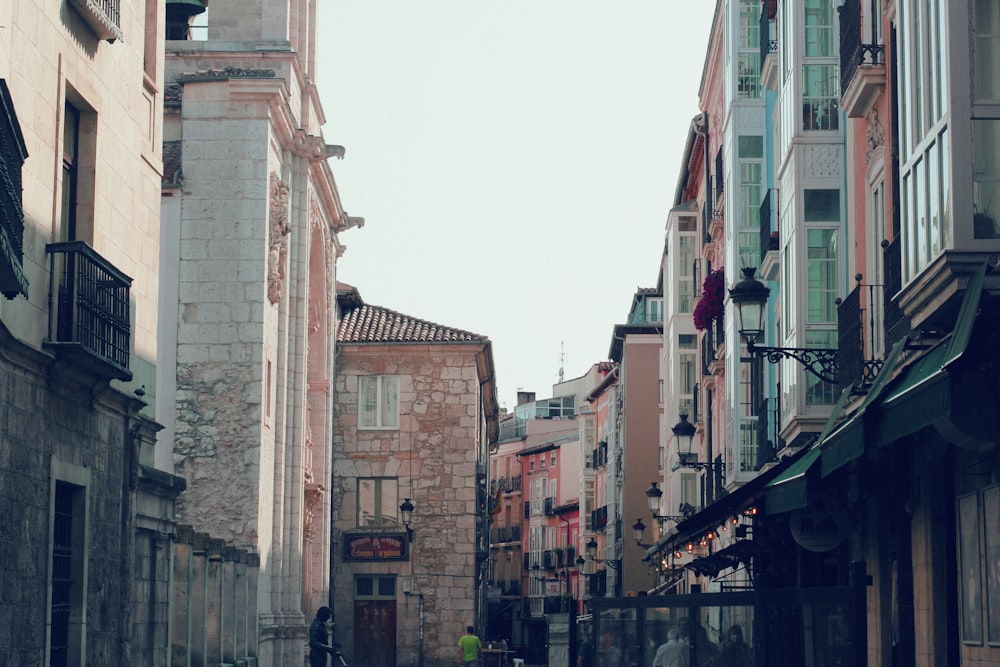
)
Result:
{"points": [[375, 621]]}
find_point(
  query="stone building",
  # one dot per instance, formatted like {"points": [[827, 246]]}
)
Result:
{"points": [[416, 416], [250, 223], [86, 520]]}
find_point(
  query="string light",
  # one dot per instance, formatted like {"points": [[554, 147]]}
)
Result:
{"points": [[690, 547]]}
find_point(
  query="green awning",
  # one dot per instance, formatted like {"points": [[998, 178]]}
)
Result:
{"points": [[848, 442], [922, 397], [787, 491]]}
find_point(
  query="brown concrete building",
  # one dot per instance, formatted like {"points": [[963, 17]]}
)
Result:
{"points": [[416, 416]]}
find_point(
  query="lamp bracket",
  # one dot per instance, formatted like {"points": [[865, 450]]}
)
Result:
{"points": [[703, 465], [821, 362]]}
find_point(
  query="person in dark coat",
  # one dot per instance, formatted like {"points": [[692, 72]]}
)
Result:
{"points": [[319, 638]]}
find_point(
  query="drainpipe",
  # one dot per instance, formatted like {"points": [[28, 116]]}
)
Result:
{"points": [[699, 125]]}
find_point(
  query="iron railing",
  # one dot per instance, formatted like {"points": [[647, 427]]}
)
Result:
{"points": [[896, 324], [768, 41], [90, 310], [768, 226], [853, 53]]}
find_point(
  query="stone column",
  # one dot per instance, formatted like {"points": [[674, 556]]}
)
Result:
{"points": [[199, 600], [229, 558], [213, 607], [242, 613], [180, 629], [253, 614]]}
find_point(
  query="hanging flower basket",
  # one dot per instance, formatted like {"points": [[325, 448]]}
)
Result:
{"points": [[709, 306]]}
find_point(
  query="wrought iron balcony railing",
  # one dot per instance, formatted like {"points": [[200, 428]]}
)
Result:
{"points": [[103, 17], [768, 34], [854, 53], [90, 312]]}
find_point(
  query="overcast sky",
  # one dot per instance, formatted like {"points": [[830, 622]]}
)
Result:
{"points": [[514, 162]]}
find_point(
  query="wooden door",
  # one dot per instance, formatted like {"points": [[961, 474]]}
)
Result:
{"points": [[374, 633]]}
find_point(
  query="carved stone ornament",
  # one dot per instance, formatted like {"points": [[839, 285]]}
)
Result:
{"points": [[876, 135], [227, 73], [278, 239], [313, 495]]}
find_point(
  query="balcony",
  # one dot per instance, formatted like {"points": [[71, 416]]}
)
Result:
{"points": [[862, 66], [103, 17], [90, 316], [769, 44], [599, 518], [12, 156], [770, 262]]}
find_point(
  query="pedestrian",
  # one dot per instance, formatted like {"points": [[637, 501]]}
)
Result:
{"points": [[469, 648], [585, 652], [319, 638], [672, 653], [734, 651]]}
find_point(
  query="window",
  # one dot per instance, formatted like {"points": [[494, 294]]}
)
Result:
{"points": [[375, 587], [749, 211], [820, 97], [822, 275], [688, 373], [541, 462], [12, 156], [66, 585], [552, 460], [748, 57], [79, 165], [689, 489], [378, 502], [819, 31], [987, 50], [654, 310], [985, 182], [686, 268], [378, 402]]}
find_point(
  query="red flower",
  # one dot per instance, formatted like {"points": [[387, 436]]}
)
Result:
{"points": [[709, 306]]}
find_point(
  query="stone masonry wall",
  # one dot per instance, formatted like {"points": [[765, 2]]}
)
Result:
{"points": [[434, 456]]}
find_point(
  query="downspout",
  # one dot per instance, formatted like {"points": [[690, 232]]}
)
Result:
{"points": [[699, 125]]}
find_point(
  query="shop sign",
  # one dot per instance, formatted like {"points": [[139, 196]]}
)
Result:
{"points": [[379, 546], [821, 526]]}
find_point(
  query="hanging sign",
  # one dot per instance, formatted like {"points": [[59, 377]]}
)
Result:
{"points": [[821, 526], [379, 546]]}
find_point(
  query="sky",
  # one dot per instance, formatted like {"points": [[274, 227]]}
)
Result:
{"points": [[514, 162]]}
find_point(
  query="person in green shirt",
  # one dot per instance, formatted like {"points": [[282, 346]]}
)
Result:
{"points": [[469, 647]]}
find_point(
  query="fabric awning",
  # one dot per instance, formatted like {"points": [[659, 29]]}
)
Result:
{"points": [[787, 491], [923, 396], [848, 442]]}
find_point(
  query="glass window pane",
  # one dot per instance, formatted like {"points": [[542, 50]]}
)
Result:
{"points": [[986, 178], [822, 275], [822, 205], [751, 146], [367, 401], [390, 411]]}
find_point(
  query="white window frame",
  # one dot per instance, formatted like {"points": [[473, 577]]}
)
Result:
{"points": [[377, 417]]}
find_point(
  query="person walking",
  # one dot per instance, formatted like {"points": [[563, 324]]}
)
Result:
{"points": [[319, 638], [469, 648]]}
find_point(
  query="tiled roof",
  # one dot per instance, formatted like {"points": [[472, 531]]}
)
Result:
{"points": [[373, 324]]}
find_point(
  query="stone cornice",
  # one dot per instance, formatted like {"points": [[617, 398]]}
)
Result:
{"points": [[226, 73]]}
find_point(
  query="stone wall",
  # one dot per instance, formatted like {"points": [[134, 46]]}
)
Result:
{"points": [[434, 455]]}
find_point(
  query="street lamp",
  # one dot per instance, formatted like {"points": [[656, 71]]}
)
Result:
{"points": [[653, 495], [406, 513], [638, 528], [684, 432], [592, 553], [750, 298]]}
